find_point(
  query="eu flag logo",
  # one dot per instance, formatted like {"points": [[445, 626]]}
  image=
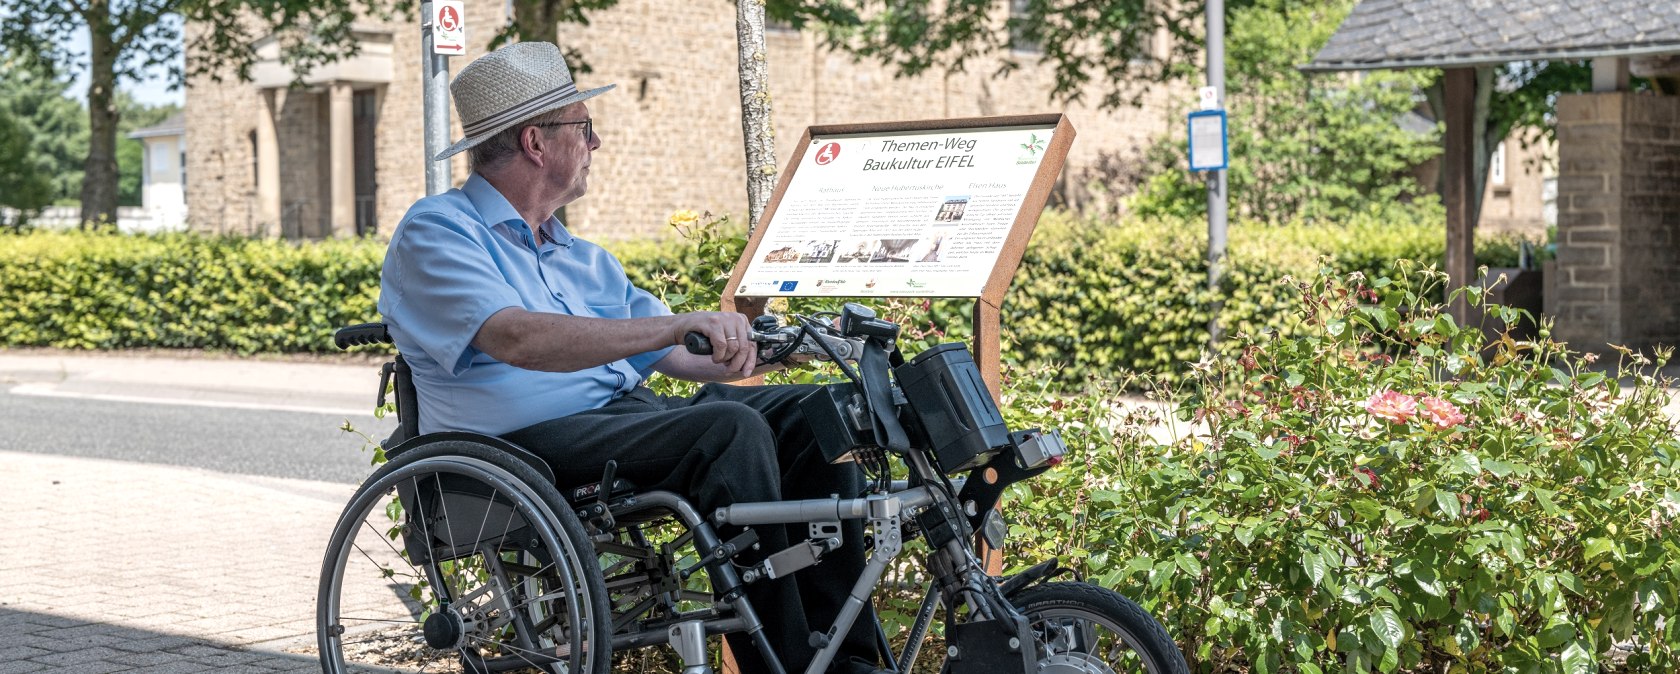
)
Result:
{"points": [[788, 286]]}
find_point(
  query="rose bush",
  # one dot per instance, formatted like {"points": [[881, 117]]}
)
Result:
{"points": [[1386, 490]]}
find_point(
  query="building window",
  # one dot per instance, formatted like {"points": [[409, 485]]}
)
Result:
{"points": [[1496, 165], [1019, 14]]}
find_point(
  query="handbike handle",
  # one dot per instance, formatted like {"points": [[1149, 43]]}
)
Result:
{"points": [[700, 345]]}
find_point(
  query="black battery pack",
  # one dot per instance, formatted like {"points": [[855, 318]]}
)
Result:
{"points": [[962, 423], [833, 413]]}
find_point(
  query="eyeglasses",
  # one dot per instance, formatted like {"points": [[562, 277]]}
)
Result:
{"points": [[588, 125]]}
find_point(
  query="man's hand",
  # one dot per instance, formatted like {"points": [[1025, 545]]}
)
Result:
{"points": [[731, 337]]}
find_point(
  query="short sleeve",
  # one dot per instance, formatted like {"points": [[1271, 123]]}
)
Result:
{"points": [[438, 286]]}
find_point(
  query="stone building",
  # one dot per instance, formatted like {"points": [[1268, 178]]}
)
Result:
{"points": [[342, 154]]}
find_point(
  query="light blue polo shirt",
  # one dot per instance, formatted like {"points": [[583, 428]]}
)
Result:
{"points": [[461, 256]]}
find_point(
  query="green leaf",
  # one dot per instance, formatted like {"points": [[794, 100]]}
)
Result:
{"points": [[1497, 467], [1466, 463], [1388, 628], [1314, 567], [1308, 668], [1389, 662], [1427, 581], [1596, 547], [1448, 503], [1578, 660], [1188, 564], [1556, 634]]}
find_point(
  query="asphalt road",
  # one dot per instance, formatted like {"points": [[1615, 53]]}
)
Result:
{"points": [[246, 441]]}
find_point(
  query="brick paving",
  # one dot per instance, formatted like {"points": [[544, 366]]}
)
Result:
{"points": [[113, 566]]}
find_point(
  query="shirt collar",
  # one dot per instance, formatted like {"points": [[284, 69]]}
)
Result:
{"points": [[489, 202], [497, 210]]}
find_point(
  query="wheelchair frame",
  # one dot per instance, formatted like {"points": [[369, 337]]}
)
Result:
{"points": [[614, 516]]}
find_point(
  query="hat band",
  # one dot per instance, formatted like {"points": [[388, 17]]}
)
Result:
{"points": [[531, 107]]}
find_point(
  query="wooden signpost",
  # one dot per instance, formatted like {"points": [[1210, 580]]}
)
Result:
{"points": [[925, 209]]}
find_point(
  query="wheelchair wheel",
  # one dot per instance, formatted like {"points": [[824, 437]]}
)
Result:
{"points": [[1088, 629], [457, 557]]}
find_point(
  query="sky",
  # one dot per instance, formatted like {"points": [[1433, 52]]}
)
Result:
{"points": [[154, 90]]}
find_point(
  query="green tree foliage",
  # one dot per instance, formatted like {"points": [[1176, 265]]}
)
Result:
{"points": [[131, 152], [32, 96], [1313, 147], [22, 185], [126, 37]]}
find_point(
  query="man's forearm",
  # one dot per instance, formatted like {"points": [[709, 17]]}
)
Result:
{"points": [[561, 343]]}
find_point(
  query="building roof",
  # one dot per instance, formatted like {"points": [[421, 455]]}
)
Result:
{"points": [[1462, 33], [174, 125]]}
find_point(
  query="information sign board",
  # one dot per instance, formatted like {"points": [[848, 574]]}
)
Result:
{"points": [[922, 210]]}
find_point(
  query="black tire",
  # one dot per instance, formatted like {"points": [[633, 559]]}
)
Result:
{"points": [[511, 577], [1094, 630]]}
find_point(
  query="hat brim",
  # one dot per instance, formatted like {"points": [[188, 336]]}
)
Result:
{"points": [[470, 141]]}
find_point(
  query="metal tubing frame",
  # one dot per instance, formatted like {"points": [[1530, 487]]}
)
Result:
{"points": [[823, 510]]}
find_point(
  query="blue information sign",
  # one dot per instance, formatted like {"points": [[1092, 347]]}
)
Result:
{"points": [[1209, 150]]}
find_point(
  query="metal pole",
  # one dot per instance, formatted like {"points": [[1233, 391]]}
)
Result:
{"points": [[434, 70], [1216, 179]]}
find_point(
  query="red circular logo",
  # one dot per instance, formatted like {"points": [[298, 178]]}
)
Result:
{"points": [[828, 153], [448, 19]]}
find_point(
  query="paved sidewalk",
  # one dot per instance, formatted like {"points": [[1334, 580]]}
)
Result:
{"points": [[115, 566]]}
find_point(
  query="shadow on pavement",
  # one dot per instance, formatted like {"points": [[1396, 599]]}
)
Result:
{"points": [[39, 642]]}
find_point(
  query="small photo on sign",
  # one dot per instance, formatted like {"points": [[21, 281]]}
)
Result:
{"points": [[819, 251], [952, 209], [929, 250], [858, 250], [783, 254], [893, 250]]}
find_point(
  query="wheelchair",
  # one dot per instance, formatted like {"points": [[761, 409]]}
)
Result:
{"points": [[461, 553]]}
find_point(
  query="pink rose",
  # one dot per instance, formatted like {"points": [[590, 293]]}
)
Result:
{"points": [[1441, 413], [1391, 406]]}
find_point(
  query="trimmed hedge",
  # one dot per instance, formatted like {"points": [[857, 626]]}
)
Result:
{"points": [[104, 291], [1098, 296]]}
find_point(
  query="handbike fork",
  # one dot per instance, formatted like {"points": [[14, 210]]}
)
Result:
{"points": [[888, 543]]}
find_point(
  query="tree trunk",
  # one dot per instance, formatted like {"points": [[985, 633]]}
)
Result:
{"points": [[99, 180], [538, 20], [757, 133]]}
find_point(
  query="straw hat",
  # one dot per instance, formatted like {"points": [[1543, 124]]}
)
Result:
{"points": [[508, 86]]}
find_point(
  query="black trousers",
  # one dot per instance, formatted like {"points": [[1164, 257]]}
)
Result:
{"points": [[730, 444]]}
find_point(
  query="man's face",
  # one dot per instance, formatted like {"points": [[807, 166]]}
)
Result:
{"points": [[569, 151]]}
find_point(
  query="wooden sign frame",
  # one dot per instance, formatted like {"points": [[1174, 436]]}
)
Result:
{"points": [[988, 306]]}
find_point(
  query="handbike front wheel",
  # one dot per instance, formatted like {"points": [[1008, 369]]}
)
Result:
{"points": [[455, 557], [1088, 629]]}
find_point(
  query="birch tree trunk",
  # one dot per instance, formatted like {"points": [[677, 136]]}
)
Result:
{"points": [[756, 131]]}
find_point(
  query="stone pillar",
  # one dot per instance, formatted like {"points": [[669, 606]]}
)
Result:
{"points": [[1618, 220], [343, 161], [268, 165]]}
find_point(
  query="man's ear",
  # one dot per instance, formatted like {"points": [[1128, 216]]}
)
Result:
{"points": [[531, 144]]}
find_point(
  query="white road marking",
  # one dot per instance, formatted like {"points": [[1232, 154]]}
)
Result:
{"points": [[49, 391]]}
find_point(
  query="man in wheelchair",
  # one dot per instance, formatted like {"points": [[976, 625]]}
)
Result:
{"points": [[516, 328]]}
